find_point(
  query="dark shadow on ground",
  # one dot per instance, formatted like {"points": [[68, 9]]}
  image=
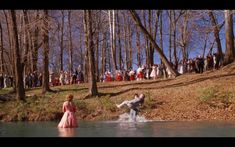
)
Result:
{"points": [[74, 89], [6, 97], [145, 82]]}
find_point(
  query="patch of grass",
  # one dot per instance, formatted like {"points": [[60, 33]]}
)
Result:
{"points": [[149, 101], [216, 98], [5, 90], [208, 93], [226, 97], [81, 105], [107, 104]]}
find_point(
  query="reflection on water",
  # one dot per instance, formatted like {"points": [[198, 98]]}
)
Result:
{"points": [[67, 132], [127, 126], [126, 117], [119, 129]]}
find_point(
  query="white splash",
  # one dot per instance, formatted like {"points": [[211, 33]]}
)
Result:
{"points": [[127, 118]]}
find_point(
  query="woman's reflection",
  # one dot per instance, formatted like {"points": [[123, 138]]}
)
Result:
{"points": [[67, 132]]}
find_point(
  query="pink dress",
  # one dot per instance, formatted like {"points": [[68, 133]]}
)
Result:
{"points": [[69, 119]]}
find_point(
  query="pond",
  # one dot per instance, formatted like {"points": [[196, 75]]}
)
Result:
{"points": [[120, 129]]}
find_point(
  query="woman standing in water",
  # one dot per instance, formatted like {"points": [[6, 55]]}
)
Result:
{"points": [[69, 119]]}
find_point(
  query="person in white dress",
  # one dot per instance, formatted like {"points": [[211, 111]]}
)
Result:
{"points": [[62, 77], [153, 72], [140, 74]]}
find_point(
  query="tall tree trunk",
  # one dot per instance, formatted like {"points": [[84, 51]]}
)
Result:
{"points": [[119, 43], [62, 41], [109, 57], [216, 33], [151, 49], [12, 56], [45, 36], [26, 37], [146, 42], [183, 36], [130, 45], [113, 38], [114, 41], [174, 42], [205, 44], [170, 31], [103, 62], [138, 47], [229, 53], [81, 51], [26, 41], [86, 49], [97, 57], [36, 45], [93, 91], [161, 37], [20, 91], [158, 49], [70, 44], [126, 43], [174, 35], [1, 51]]}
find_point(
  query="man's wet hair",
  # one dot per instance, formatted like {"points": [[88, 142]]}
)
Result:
{"points": [[142, 96]]}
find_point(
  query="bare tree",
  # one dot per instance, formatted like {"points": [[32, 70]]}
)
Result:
{"points": [[62, 41], [70, 44], [151, 49], [216, 33], [161, 37], [138, 47], [86, 59], [1, 51], [184, 32], [26, 41], [20, 91], [205, 44], [130, 49], [93, 91], [36, 45], [103, 61], [97, 56], [10, 46], [45, 28], [119, 42], [229, 53], [147, 62], [175, 20], [126, 42], [170, 33], [158, 49], [113, 38]]}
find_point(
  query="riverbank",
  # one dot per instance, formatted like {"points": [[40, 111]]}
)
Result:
{"points": [[207, 96]]}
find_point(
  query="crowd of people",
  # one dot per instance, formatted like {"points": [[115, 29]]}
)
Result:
{"points": [[66, 78], [6, 81], [33, 80], [197, 65]]}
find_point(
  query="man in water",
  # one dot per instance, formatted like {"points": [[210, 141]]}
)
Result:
{"points": [[133, 105]]}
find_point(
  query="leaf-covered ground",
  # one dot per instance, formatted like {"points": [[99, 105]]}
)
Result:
{"points": [[207, 96]]}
